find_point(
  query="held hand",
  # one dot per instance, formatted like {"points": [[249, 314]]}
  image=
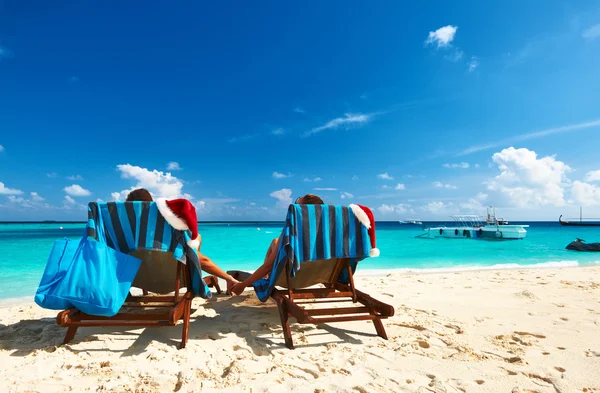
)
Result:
{"points": [[237, 289]]}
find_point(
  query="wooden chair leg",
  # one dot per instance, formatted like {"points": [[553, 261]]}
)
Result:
{"points": [[213, 282], [70, 334], [186, 323], [380, 329], [285, 323]]}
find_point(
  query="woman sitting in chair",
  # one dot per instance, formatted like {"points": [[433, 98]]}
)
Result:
{"points": [[207, 265], [265, 268]]}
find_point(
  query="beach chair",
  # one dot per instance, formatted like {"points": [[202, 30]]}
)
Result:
{"points": [[169, 275], [320, 245]]}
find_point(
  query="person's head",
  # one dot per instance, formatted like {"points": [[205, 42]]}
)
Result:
{"points": [[309, 199], [141, 194]]}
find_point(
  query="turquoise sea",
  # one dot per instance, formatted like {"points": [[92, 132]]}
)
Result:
{"points": [[24, 248]]}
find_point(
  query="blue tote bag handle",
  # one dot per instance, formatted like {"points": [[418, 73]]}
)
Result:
{"points": [[91, 276]]}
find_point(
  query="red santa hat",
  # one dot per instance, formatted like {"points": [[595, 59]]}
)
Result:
{"points": [[181, 214], [365, 216]]}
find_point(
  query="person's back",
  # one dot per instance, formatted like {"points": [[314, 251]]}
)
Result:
{"points": [[207, 265]]}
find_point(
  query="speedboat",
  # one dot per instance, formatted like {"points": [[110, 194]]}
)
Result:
{"points": [[473, 227]]}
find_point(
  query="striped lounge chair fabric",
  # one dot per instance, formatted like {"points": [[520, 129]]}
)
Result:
{"points": [[315, 233], [129, 226], [168, 263], [321, 237]]}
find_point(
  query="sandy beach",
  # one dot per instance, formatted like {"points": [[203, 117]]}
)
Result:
{"points": [[529, 330]]}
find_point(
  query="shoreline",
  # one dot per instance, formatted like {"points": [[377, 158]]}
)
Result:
{"points": [[381, 272]]}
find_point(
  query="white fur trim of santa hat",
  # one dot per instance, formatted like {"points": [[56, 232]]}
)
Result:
{"points": [[171, 217], [365, 216], [361, 215]]}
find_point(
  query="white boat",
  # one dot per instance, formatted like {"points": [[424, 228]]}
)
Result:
{"points": [[411, 222], [474, 227]]}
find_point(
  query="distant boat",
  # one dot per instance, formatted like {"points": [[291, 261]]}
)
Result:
{"points": [[581, 222], [474, 227], [411, 222]]}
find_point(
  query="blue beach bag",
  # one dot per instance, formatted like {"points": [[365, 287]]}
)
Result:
{"points": [[87, 275]]}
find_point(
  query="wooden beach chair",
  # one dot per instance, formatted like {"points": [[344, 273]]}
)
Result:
{"points": [[308, 256], [294, 294], [167, 284]]}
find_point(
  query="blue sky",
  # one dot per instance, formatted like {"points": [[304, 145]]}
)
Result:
{"points": [[409, 108]]}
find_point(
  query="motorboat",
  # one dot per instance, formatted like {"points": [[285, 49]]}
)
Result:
{"points": [[474, 227]]}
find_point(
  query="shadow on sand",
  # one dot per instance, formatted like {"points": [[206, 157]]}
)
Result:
{"points": [[256, 323]]}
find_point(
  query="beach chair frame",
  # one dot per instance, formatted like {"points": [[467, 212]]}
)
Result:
{"points": [[151, 310], [290, 300]]}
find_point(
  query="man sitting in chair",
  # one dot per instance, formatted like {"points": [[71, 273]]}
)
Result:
{"points": [[265, 268], [143, 195]]}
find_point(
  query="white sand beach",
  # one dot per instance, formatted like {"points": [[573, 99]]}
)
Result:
{"points": [[530, 330]]}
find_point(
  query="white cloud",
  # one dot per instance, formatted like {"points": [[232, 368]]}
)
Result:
{"points": [[400, 186], [438, 184], [173, 166], [531, 135], [399, 208], [463, 165], [299, 110], [593, 176], [346, 195], [283, 196], [316, 179], [341, 122], [278, 131], [385, 186], [475, 205], [277, 175], [325, 189], [385, 176], [1, 148], [75, 177], [592, 32], [354, 177], [76, 190], [442, 37], [585, 194], [527, 180], [35, 197], [438, 207], [473, 64], [9, 191], [70, 200], [477, 165], [160, 184], [51, 175], [34, 202], [455, 55]]}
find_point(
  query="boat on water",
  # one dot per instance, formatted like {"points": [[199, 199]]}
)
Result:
{"points": [[411, 222], [581, 222], [474, 227], [581, 245]]}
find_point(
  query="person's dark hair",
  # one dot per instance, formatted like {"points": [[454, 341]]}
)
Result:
{"points": [[310, 199], [141, 194]]}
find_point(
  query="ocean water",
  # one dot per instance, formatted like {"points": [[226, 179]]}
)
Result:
{"points": [[24, 249]]}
